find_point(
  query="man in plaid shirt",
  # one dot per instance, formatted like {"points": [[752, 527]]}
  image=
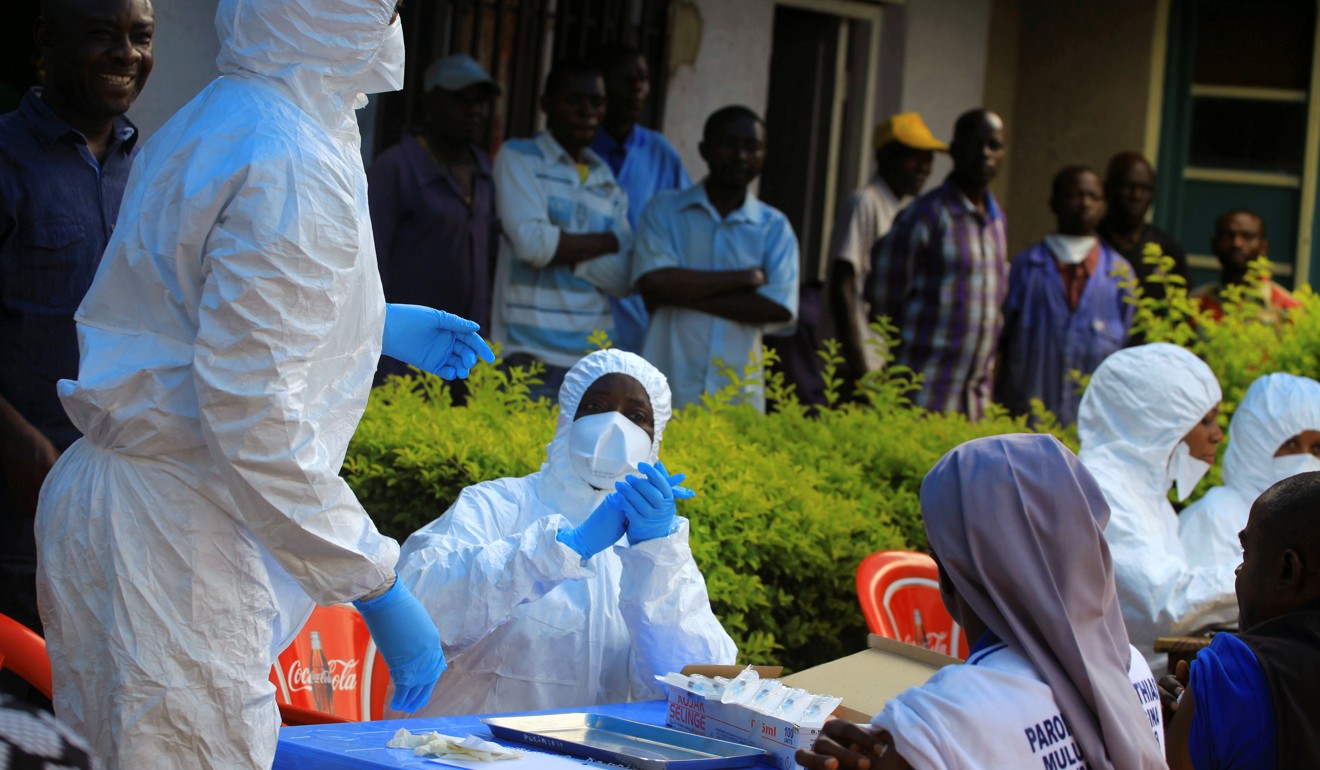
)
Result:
{"points": [[941, 274]]}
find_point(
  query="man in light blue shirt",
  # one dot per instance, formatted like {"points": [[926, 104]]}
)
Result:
{"points": [[642, 160], [719, 267], [566, 238]]}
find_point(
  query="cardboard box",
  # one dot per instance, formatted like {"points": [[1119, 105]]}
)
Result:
{"points": [[865, 681]]}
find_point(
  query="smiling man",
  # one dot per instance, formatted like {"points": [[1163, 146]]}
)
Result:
{"points": [[719, 266], [565, 233], [65, 155]]}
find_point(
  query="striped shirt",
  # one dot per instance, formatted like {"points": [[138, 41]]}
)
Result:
{"points": [[941, 276], [549, 310]]}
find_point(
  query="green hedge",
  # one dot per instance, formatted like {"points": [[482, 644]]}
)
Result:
{"points": [[788, 504]]}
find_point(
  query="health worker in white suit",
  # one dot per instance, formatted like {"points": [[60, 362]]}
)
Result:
{"points": [[1274, 434], [561, 589], [227, 345], [1148, 422]]}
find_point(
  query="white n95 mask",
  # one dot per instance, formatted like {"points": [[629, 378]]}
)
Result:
{"points": [[1187, 471], [604, 448], [1290, 465], [385, 73]]}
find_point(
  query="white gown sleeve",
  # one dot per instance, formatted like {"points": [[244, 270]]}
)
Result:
{"points": [[665, 605], [472, 567], [274, 267]]}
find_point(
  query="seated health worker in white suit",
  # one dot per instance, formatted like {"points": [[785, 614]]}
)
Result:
{"points": [[545, 602], [1015, 523], [1148, 422], [1274, 434]]}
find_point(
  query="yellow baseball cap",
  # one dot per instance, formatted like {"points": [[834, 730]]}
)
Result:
{"points": [[909, 129]]}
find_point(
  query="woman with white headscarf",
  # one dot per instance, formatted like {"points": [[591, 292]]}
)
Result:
{"points": [[1148, 422], [1015, 523], [1275, 434], [545, 603]]}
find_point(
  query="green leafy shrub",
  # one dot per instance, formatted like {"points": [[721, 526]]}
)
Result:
{"points": [[788, 503]]}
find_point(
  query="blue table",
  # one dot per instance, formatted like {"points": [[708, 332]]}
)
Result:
{"points": [[357, 745]]}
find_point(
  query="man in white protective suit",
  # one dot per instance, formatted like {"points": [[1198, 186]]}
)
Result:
{"points": [[227, 348], [1148, 422], [1274, 434], [546, 604]]}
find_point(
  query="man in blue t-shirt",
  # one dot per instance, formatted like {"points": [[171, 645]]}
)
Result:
{"points": [[642, 160], [1250, 700]]}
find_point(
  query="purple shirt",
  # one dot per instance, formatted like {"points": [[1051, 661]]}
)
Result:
{"points": [[58, 206], [434, 248], [940, 275]]}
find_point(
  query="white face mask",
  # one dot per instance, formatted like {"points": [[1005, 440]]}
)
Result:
{"points": [[1290, 465], [385, 73], [1070, 249], [1187, 471], [604, 448]]}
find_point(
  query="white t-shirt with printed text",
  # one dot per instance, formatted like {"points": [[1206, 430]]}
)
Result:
{"points": [[995, 712]]}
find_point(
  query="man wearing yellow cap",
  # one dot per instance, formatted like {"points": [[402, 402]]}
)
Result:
{"points": [[904, 149]]}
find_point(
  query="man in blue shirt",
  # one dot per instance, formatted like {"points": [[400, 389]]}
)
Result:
{"points": [[719, 266], [1065, 310], [65, 155], [642, 160], [1250, 699]]}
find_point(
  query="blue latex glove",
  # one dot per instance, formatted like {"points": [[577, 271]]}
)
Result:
{"points": [[433, 340], [409, 643], [602, 529], [652, 501]]}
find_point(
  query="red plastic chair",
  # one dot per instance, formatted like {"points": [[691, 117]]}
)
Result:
{"points": [[332, 669], [23, 651], [900, 596]]}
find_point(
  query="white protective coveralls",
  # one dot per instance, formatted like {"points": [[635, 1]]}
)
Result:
{"points": [[527, 623], [1139, 405], [228, 344], [1275, 408]]}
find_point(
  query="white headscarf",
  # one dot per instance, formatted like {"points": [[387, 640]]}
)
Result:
{"points": [[1275, 408], [1018, 524], [558, 481]]}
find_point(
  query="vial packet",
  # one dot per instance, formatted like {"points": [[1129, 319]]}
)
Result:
{"points": [[741, 688], [819, 710]]}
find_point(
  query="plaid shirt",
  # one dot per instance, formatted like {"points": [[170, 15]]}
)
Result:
{"points": [[941, 276]]}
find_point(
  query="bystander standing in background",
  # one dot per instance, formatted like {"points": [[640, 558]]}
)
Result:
{"points": [[1065, 309], [565, 239], [65, 155], [941, 275], [904, 151], [643, 162], [1238, 241], [719, 266], [1129, 191], [433, 202]]}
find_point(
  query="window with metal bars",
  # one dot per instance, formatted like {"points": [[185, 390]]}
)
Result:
{"points": [[516, 41]]}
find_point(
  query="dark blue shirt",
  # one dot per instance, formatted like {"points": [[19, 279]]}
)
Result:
{"points": [[645, 163], [58, 206], [1233, 725]]}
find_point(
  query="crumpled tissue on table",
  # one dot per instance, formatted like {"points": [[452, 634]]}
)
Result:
{"points": [[471, 748]]}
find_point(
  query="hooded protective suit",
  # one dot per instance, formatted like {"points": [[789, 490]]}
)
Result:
{"points": [[1139, 405], [528, 624], [227, 345], [1275, 408]]}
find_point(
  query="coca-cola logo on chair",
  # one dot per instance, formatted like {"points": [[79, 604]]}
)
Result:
{"points": [[342, 675]]}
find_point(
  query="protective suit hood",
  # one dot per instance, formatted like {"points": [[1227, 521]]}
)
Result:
{"points": [[558, 480], [321, 51], [1139, 404], [1275, 408]]}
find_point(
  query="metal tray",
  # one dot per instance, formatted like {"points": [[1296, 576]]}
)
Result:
{"points": [[623, 742]]}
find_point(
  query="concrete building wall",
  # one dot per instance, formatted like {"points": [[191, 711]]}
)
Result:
{"points": [[945, 50], [719, 55], [185, 50], [1079, 89]]}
